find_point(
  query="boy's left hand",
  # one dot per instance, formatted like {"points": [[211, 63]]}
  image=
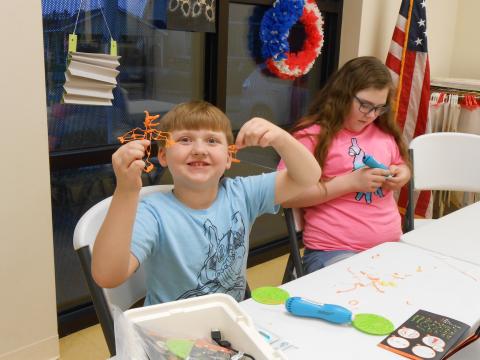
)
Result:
{"points": [[400, 176], [259, 132]]}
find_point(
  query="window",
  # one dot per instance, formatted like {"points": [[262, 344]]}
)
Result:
{"points": [[158, 69], [251, 89]]}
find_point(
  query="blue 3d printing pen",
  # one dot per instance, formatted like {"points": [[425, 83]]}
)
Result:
{"points": [[372, 324], [370, 161], [333, 313]]}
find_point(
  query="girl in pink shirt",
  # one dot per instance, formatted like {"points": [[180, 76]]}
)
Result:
{"points": [[353, 207]]}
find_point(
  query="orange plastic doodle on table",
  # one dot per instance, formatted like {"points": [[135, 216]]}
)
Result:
{"points": [[355, 286], [148, 133]]}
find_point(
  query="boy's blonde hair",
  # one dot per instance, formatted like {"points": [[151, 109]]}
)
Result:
{"points": [[196, 115]]}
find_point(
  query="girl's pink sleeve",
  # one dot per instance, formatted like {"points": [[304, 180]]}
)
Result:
{"points": [[307, 138]]}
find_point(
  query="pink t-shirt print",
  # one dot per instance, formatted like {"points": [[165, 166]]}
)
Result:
{"points": [[347, 223], [358, 155]]}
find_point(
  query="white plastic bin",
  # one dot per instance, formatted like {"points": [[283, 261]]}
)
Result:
{"points": [[196, 317]]}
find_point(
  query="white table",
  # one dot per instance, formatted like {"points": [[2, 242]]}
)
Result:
{"points": [[410, 279], [456, 234]]}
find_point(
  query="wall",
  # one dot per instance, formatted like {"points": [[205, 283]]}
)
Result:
{"points": [[450, 26], [351, 35], [28, 326], [466, 51]]}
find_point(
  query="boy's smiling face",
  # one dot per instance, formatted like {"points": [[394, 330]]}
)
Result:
{"points": [[198, 159]]}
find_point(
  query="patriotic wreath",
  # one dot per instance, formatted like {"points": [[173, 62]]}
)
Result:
{"points": [[274, 31]]}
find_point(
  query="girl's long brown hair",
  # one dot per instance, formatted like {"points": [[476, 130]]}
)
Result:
{"points": [[333, 103]]}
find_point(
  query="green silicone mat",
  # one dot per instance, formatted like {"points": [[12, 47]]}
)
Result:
{"points": [[270, 295], [373, 324]]}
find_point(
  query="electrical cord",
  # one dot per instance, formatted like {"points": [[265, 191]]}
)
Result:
{"points": [[216, 336]]}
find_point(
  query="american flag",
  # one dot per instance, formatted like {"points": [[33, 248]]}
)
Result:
{"points": [[408, 63]]}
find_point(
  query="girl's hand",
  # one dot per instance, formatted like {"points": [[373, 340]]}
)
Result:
{"points": [[259, 132], [128, 165], [400, 176], [367, 179]]}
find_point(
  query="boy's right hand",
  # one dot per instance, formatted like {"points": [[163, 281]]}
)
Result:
{"points": [[128, 165], [367, 179]]}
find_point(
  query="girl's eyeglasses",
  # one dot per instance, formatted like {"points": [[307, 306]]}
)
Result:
{"points": [[366, 108]]}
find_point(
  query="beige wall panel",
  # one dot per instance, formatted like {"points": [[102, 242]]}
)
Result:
{"points": [[27, 306], [351, 25], [466, 49], [368, 25], [441, 22]]}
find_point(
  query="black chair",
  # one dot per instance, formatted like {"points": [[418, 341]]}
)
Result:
{"points": [[294, 221]]}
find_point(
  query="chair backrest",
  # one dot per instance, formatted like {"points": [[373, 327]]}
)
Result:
{"points": [[446, 161], [123, 296], [294, 222], [442, 161]]}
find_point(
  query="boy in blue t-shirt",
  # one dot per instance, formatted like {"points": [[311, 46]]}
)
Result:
{"points": [[194, 240]]}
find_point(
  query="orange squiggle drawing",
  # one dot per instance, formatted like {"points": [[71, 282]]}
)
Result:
{"points": [[148, 133], [370, 277], [374, 281], [396, 275], [355, 286], [375, 285]]}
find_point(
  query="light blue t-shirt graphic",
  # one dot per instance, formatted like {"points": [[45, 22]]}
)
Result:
{"points": [[188, 252]]}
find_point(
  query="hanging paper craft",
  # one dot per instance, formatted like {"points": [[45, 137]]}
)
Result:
{"points": [[150, 133], [90, 78], [274, 32]]}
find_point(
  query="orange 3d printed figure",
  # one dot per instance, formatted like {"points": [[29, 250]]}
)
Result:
{"points": [[150, 133], [232, 149]]}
